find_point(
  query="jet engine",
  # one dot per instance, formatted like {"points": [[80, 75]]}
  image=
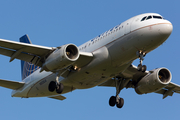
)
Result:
{"points": [[61, 58], [153, 81]]}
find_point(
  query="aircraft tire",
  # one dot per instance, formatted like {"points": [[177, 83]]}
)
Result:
{"points": [[59, 88], [52, 86], [112, 101], [139, 67], [143, 69], [120, 103]]}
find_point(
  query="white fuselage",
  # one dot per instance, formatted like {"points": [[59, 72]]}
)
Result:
{"points": [[113, 52]]}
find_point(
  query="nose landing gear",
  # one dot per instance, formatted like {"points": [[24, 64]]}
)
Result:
{"points": [[141, 56]]}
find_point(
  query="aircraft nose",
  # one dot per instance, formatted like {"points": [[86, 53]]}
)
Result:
{"points": [[166, 28]]}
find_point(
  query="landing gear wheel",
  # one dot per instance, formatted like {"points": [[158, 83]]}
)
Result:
{"points": [[52, 86], [112, 101], [59, 88], [139, 67], [143, 69], [120, 103]]}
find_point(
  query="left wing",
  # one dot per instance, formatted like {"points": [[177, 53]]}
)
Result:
{"points": [[131, 76], [169, 90]]}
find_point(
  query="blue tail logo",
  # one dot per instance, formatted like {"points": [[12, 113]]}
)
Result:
{"points": [[27, 68]]}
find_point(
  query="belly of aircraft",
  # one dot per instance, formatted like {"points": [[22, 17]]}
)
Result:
{"points": [[108, 62]]}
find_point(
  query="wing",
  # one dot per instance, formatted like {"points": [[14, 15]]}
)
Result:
{"points": [[131, 76], [23, 51], [130, 73], [34, 53], [11, 84], [169, 90]]}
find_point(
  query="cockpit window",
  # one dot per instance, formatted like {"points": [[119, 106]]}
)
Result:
{"points": [[149, 17], [143, 18], [157, 17]]}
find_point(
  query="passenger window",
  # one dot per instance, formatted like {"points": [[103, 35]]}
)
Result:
{"points": [[149, 17], [143, 18]]}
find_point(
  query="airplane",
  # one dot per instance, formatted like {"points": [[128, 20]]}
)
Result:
{"points": [[105, 60]]}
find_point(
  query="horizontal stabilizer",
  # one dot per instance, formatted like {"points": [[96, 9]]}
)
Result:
{"points": [[11, 84], [58, 97]]}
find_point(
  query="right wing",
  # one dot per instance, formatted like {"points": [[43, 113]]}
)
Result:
{"points": [[23, 51], [35, 54]]}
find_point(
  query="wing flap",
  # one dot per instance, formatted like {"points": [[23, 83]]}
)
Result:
{"points": [[11, 84], [22, 56]]}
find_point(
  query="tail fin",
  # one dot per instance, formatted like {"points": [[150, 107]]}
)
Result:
{"points": [[27, 68]]}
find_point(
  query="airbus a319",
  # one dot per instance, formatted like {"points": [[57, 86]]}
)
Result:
{"points": [[105, 60]]}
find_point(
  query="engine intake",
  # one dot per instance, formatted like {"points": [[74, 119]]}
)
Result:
{"points": [[164, 75], [154, 81], [61, 58]]}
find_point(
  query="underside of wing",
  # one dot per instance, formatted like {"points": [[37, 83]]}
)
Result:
{"points": [[157, 80], [131, 74], [169, 90], [11, 84], [37, 55], [23, 51], [84, 59]]}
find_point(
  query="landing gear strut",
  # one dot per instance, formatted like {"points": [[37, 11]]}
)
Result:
{"points": [[141, 56], [56, 85], [116, 100], [59, 86]]}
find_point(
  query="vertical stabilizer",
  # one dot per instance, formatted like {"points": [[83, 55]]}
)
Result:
{"points": [[26, 67]]}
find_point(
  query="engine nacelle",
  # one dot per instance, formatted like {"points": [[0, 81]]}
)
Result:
{"points": [[61, 58], [154, 81]]}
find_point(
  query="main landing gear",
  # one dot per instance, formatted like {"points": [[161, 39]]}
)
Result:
{"points": [[141, 56], [56, 86], [116, 100]]}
